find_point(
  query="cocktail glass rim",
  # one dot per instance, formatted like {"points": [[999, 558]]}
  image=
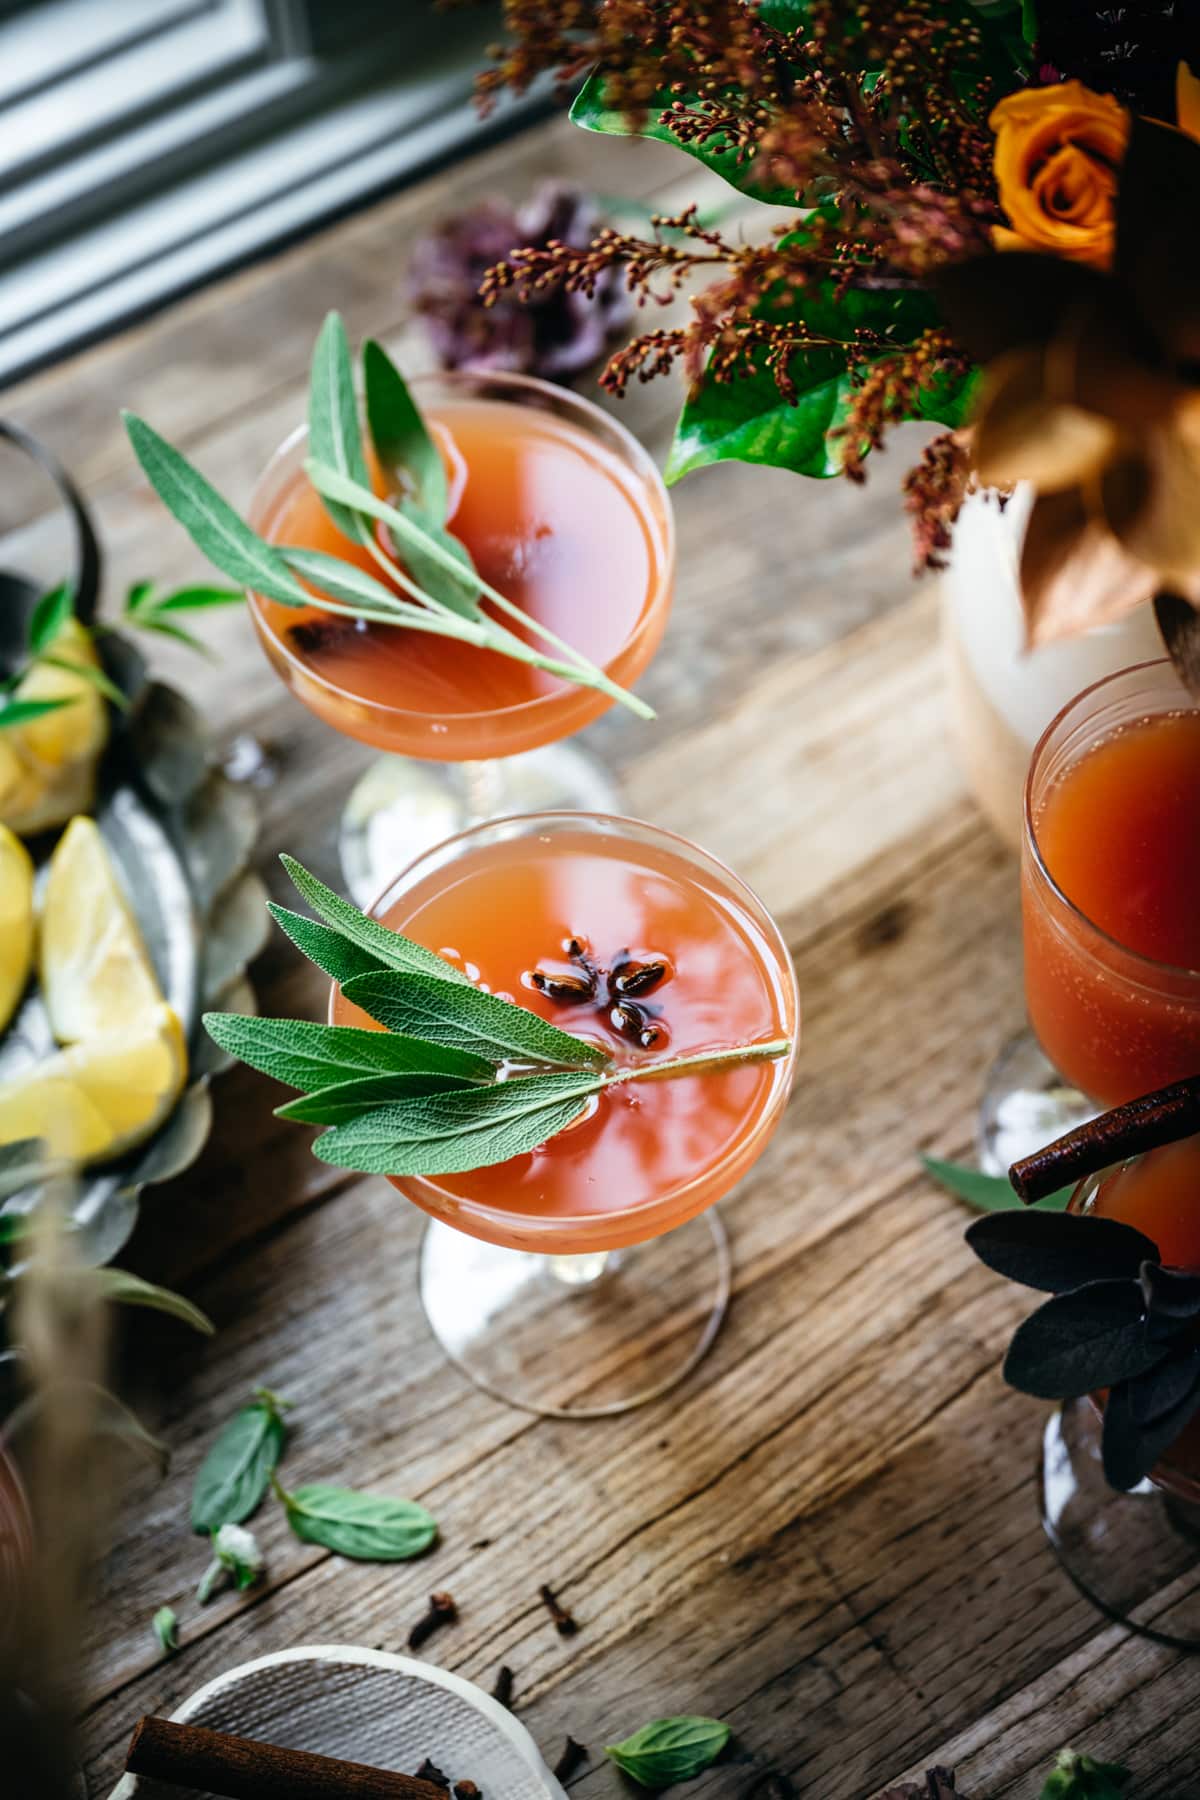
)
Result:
{"points": [[617, 824], [1139, 962], [558, 399]]}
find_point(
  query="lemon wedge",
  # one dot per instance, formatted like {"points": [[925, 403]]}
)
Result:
{"points": [[96, 975], [48, 766], [16, 921], [98, 1099]]}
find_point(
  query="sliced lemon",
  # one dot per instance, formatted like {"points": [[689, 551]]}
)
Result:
{"points": [[95, 972], [97, 1100], [48, 766], [16, 921]]}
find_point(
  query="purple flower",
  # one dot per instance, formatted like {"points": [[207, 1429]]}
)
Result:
{"points": [[556, 336]]}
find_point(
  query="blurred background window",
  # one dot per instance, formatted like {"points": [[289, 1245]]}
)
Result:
{"points": [[146, 145]]}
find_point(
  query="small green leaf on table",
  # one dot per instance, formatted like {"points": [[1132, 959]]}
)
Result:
{"points": [[236, 1473], [126, 1289], [670, 1750], [166, 1630], [1077, 1777], [402, 439], [367, 1527], [464, 1018], [986, 1193]]}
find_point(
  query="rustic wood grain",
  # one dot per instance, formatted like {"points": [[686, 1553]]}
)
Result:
{"points": [[827, 1536]]}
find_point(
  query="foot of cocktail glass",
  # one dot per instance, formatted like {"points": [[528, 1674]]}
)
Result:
{"points": [[401, 807], [1137, 1555], [577, 1337], [1026, 1105]]}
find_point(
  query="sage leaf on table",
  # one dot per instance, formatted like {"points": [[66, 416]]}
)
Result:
{"points": [[210, 521], [367, 1527], [389, 947], [166, 1630], [670, 1750], [402, 440], [466, 1019], [987, 1193], [130, 1290], [312, 1057], [449, 1134], [1076, 1777], [236, 1473]]}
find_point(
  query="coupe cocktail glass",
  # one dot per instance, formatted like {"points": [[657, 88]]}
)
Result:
{"points": [[1110, 880], [590, 1275], [1136, 1555], [566, 514]]}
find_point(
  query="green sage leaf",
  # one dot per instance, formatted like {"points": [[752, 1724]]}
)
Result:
{"points": [[237, 1471], [464, 1018], [120, 1286], [166, 1630], [987, 1193], [460, 592], [389, 947], [332, 953], [210, 521], [345, 581], [334, 432], [402, 439], [345, 1100], [670, 1750], [311, 1057], [23, 712], [451, 1133], [50, 615], [367, 1527], [1076, 1777]]}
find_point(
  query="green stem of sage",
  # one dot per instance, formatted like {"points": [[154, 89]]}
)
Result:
{"points": [[701, 1063]]}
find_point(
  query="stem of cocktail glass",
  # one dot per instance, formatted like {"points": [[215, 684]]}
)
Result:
{"points": [[483, 789], [580, 1272]]}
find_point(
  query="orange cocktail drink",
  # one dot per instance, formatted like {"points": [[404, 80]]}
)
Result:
{"points": [[561, 509], [629, 935], [1111, 887]]}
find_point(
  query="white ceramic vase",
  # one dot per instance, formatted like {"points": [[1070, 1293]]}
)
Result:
{"points": [[1001, 696]]}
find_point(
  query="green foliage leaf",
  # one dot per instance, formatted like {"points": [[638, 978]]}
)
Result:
{"points": [[464, 1018], [94, 677], [334, 432], [166, 1630], [346, 1100], [237, 1471], [210, 521], [395, 951], [50, 615], [591, 110], [325, 946], [670, 1750], [311, 1057], [448, 1134], [987, 1193], [23, 712], [142, 598], [400, 435], [1076, 1777], [126, 1289], [460, 592], [367, 1527]]}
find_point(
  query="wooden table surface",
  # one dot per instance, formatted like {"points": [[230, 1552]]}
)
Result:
{"points": [[826, 1537]]}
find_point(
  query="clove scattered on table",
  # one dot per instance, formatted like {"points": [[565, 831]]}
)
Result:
{"points": [[573, 1756], [441, 1611], [429, 1771], [564, 1622], [502, 1688]]}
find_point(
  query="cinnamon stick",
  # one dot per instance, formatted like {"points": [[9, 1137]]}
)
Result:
{"points": [[1164, 1117], [215, 1762]]}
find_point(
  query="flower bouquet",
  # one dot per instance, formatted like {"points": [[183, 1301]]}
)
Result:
{"points": [[990, 232]]}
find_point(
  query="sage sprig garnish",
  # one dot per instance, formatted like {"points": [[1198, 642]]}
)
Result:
{"points": [[433, 587], [458, 1079], [1118, 1321], [670, 1750]]}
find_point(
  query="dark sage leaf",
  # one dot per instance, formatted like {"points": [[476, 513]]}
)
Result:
{"points": [[237, 1471], [1059, 1251], [1081, 1341], [1130, 1450], [1170, 1294], [1165, 1387], [367, 1527], [670, 1750]]}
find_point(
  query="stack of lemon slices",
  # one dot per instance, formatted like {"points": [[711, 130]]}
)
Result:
{"points": [[124, 1059]]}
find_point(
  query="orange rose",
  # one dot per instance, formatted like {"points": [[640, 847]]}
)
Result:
{"points": [[1058, 154]]}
